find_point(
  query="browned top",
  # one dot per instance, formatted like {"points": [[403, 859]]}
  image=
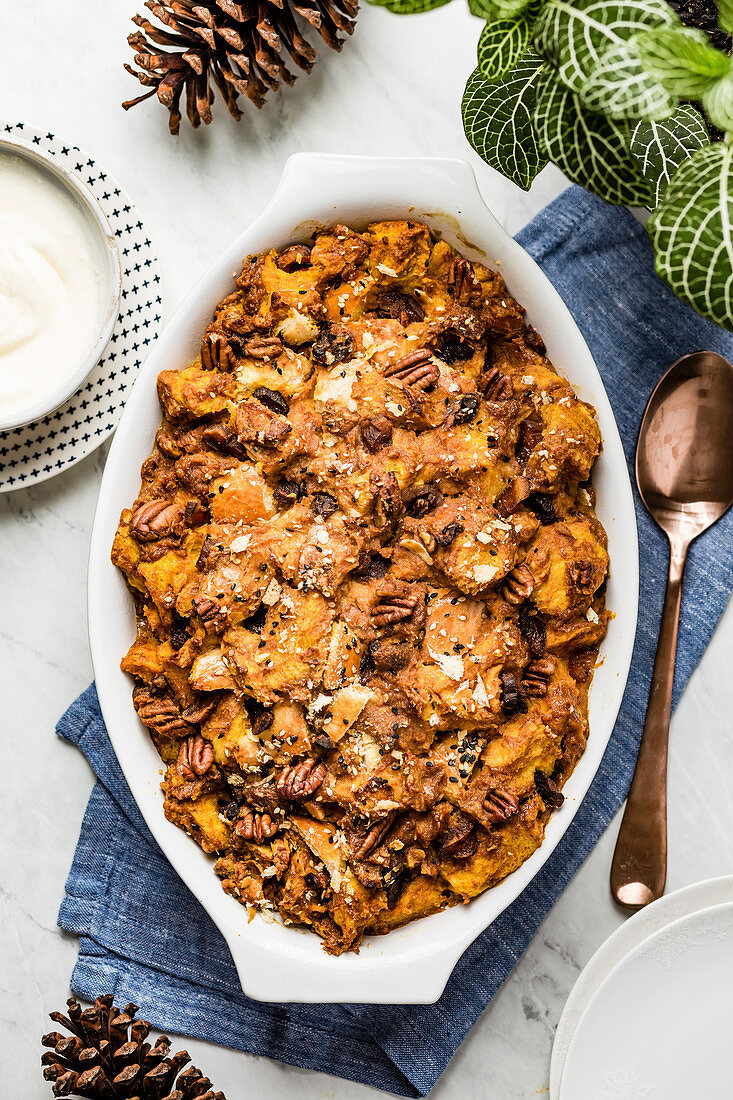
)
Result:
{"points": [[369, 583]]}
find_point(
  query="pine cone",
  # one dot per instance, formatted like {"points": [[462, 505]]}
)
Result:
{"points": [[106, 1056], [236, 47]]}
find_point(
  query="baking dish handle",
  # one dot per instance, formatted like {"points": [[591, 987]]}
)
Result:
{"points": [[275, 974]]}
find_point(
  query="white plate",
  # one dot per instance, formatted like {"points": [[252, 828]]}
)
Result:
{"points": [[659, 1027], [411, 964], [671, 907]]}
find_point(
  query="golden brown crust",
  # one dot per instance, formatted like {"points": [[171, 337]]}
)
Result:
{"points": [[369, 582]]}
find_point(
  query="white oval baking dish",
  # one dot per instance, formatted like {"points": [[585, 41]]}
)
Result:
{"points": [[412, 964]]}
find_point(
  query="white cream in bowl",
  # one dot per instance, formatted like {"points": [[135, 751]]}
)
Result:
{"points": [[58, 291]]}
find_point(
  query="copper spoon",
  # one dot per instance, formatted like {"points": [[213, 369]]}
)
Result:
{"points": [[684, 470]]}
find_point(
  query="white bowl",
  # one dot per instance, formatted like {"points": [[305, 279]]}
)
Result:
{"points": [[409, 965], [111, 279]]}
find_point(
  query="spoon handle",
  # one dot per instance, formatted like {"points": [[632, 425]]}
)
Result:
{"points": [[639, 868]]}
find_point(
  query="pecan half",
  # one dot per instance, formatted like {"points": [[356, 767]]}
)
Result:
{"points": [[500, 805], [159, 712], [421, 499], [387, 505], [334, 344], [533, 630], [416, 369], [373, 836], [375, 433], [459, 839], [466, 287], [496, 385], [510, 498], [195, 757], [156, 519], [400, 306], [537, 675], [216, 353], [266, 348], [511, 700], [301, 780], [548, 790], [297, 255], [394, 607], [518, 585], [255, 826]]}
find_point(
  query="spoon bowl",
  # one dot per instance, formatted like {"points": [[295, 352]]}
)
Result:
{"points": [[684, 470], [684, 459]]}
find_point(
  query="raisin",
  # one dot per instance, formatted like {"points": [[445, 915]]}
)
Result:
{"points": [[448, 534], [288, 493], [272, 400], [467, 408], [533, 630], [334, 344], [323, 504], [451, 348], [257, 621], [400, 307], [421, 499], [542, 506], [548, 790]]}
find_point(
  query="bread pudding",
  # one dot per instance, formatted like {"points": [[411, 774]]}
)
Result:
{"points": [[369, 583]]}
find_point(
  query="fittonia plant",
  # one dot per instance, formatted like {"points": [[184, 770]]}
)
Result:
{"points": [[616, 93]]}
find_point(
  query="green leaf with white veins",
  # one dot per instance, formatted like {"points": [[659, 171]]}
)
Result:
{"points": [[620, 88], [508, 8], [409, 7], [575, 36], [718, 103], [503, 42], [691, 233], [497, 117], [725, 15], [658, 148], [591, 150], [682, 60]]}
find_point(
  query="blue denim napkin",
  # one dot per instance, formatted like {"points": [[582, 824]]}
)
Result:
{"points": [[143, 937]]}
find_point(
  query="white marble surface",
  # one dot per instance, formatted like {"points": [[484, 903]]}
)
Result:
{"points": [[395, 89]]}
